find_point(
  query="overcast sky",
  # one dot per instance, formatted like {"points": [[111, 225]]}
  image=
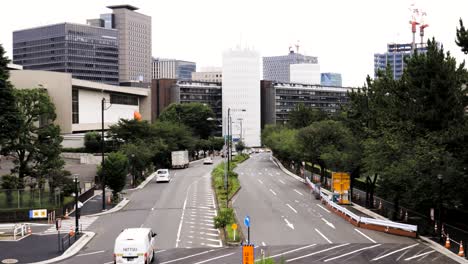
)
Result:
{"points": [[344, 34]]}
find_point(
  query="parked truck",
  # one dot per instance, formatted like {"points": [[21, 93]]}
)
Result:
{"points": [[180, 159]]}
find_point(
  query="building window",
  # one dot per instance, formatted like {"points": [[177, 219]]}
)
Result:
{"points": [[123, 99], [75, 108]]}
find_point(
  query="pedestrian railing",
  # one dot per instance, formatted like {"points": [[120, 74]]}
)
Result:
{"points": [[14, 230]]}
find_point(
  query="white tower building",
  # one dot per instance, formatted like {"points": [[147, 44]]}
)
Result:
{"points": [[241, 94]]}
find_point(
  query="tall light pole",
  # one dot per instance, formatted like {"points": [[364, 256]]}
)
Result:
{"points": [[103, 177], [440, 177], [241, 131], [77, 212]]}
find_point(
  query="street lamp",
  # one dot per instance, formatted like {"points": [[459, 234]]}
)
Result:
{"points": [[103, 181], [132, 161], [229, 131], [440, 177], [77, 210]]}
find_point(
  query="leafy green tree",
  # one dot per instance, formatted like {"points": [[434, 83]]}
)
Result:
{"points": [[217, 143], [115, 168], [240, 146], [9, 183], [193, 115], [130, 130], [9, 115], [462, 37], [92, 142], [302, 116], [176, 137], [139, 156]]}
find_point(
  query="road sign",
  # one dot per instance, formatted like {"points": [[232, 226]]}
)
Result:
{"points": [[248, 254], [247, 221], [234, 226], [41, 213]]}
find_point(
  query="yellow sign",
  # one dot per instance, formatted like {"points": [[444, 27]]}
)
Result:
{"points": [[248, 254], [341, 186], [42, 213], [234, 226]]}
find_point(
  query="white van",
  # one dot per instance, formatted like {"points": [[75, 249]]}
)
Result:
{"points": [[135, 245]]}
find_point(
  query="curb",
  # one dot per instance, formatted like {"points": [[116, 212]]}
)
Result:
{"points": [[143, 184], [71, 251], [275, 160], [443, 250], [116, 208]]}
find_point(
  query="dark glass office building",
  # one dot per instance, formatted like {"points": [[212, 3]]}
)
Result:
{"points": [[87, 52]]}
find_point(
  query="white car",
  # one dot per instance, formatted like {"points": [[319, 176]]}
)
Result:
{"points": [[135, 245], [163, 175], [208, 161]]}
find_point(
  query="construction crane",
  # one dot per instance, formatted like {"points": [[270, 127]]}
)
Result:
{"points": [[414, 17], [422, 27]]}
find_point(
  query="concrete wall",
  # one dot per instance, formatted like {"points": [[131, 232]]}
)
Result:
{"points": [[58, 86], [73, 141]]}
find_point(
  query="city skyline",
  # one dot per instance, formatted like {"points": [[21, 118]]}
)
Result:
{"points": [[343, 35]]}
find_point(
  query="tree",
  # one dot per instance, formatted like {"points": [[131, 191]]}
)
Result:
{"points": [[9, 183], [240, 146], [302, 116], [130, 130], [92, 142], [175, 136], [115, 168], [192, 115], [217, 143], [462, 37], [9, 115], [139, 156]]}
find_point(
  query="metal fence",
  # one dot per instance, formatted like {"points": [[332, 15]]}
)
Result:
{"points": [[30, 198]]}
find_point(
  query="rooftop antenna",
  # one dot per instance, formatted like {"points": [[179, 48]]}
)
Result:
{"points": [[297, 47]]}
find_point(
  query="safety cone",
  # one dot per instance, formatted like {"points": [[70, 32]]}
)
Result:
{"points": [[380, 205], [461, 252], [72, 232], [66, 214], [29, 229], [447, 242], [435, 228], [406, 216], [108, 199]]}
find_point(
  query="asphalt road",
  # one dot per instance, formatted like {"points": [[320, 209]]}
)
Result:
{"points": [[173, 210]]}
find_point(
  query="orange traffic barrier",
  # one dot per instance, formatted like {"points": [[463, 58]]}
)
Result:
{"points": [[29, 230], [447, 242], [461, 252]]}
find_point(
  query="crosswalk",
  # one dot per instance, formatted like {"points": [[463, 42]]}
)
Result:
{"points": [[68, 224]]}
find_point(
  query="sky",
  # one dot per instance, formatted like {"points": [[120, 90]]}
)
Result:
{"points": [[343, 34]]}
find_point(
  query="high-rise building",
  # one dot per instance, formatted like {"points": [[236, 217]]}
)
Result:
{"points": [[241, 93], [330, 79], [87, 52], [277, 68], [173, 69], [211, 74], [395, 57], [134, 43]]}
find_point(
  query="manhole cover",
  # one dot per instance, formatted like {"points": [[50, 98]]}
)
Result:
{"points": [[9, 261]]}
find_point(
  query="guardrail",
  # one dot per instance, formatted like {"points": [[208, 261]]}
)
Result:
{"points": [[14, 229], [372, 221]]}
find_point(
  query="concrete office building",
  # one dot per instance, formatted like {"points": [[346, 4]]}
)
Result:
{"points": [[134, 43], [277, 68], [78, 102], [331, 79], [208, 75], [241, 80], [173, 69], [395, 57], [86, 52], [278, 99], [305, 73], [167, 91]]}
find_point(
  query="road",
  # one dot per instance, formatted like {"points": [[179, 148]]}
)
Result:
{"points": [[180, 212]]}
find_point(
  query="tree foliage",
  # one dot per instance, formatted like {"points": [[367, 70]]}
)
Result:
{"points": [[462, 37], [115, 169], [92, 141], [302, 116]]}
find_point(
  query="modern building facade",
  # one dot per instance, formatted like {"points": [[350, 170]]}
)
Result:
{"points": [[208, 75], [395, 58], [86, 52], [78, 102], [305, 73], [278, 99], [173, 69], [331, 79], [277, 68], [241, 93], [134, 43], [167, 91]]}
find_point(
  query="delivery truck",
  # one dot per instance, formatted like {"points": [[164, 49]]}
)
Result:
{"points": [[180, 159]]}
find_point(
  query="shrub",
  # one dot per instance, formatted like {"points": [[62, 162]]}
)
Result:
{"points": [[92, 142], [225, 217]]}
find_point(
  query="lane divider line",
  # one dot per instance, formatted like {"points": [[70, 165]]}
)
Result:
{"points": [[323, 208], [366, 236], [186, 257], [352, 252], [393, 252], [318, 252], [326, 238], [91, 253], [298, 192], [292, 208], [290, 251], [282, 181], [420, 255], [260, 181], [272, 192]]}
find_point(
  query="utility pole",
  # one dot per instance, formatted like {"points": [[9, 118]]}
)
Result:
{"points": [[229, 157], [77, 212], [440, 177], [103, 177]]}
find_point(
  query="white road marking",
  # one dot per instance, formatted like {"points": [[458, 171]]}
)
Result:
{"points": [[352, 252], [272, 192], [207, 260], [330, 224], [420, 255], [298, 192], [292, 208], [159, 251], [315, 253], [91, 253], [323, 208], [289, 224], [263, 244], [260, 181], [290, 251], [326, 238], [366, 236], [282, 181], [393, 252]]}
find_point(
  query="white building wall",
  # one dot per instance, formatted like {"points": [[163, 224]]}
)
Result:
{"points": [[90, 108], [306, 73], [241, 90]]}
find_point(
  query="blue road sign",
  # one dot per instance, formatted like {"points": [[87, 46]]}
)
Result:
{"points": [[247, 221]]}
